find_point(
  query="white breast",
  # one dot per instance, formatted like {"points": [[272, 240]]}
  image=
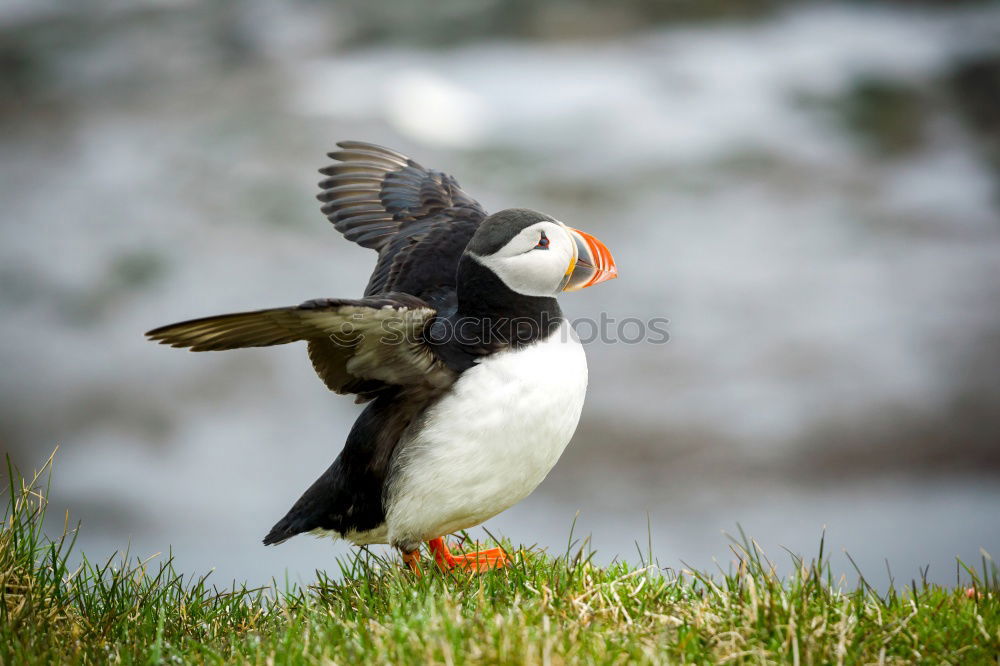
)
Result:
{"points": [[489, 441]]}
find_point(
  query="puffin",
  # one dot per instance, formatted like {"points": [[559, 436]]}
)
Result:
{"points": [[473, 379]]}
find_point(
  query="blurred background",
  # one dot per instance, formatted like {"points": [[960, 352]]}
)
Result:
{"points": [[809, 192]]}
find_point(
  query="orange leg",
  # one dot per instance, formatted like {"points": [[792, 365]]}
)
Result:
{"points": [[412, 560], [483, 560]]}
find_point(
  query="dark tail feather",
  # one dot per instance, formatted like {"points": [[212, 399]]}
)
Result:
{"points": [[280, 533], [293, 523]]}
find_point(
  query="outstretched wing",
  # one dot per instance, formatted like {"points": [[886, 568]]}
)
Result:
{"points": [[417, 219], [358, 346]]}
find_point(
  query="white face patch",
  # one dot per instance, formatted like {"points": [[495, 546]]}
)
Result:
{"points": [[528, 269]]}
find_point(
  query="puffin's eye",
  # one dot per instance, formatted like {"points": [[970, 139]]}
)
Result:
{"points": [[543, 242]]}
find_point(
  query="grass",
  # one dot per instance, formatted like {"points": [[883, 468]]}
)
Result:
{"points": [[545, 609]]}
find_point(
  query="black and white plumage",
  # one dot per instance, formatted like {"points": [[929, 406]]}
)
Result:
{"points": [[474, 381]]}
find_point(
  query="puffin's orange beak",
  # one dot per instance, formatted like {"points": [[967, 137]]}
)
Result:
{"points": [[593, 263]]}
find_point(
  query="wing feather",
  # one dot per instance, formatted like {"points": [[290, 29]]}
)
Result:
{"points": [[357, 346], [383, 200]]}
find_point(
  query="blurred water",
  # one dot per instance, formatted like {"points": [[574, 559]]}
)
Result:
{"points": [[832, 287]]}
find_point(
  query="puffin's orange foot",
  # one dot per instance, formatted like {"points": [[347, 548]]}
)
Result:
{"points": [[483, 560], [412, 560]]}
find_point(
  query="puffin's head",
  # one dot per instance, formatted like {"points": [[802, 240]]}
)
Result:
{"points": [[536, 255]]}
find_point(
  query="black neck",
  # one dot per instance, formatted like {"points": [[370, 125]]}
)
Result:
{"points": [[482, 294], [491, 316]]}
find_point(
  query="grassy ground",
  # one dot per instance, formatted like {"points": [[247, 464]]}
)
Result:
{"points": [[544, 609]]}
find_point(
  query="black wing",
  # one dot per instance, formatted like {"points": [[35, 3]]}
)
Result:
{"points": [[360, 346], [417, 219]]}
